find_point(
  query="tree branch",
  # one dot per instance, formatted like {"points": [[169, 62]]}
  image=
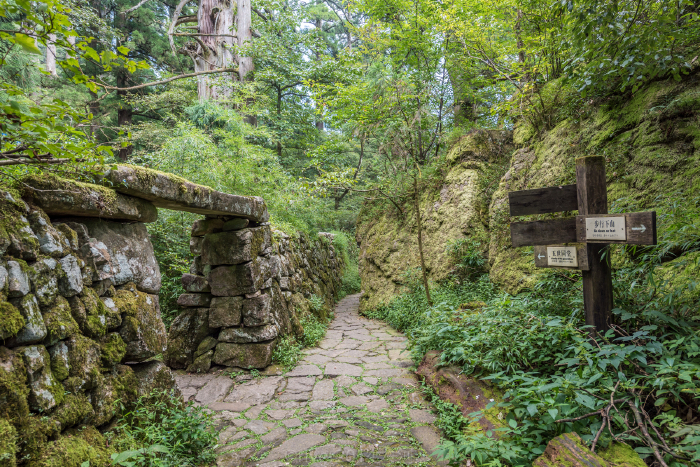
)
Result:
{"points": [[135, 7], [164, 81]]}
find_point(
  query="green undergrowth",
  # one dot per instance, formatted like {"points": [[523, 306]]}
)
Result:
{"points": [[347, 250], [555, 379], [161, 430], [289, 350]]}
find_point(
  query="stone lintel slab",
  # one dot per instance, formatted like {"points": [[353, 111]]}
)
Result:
{"points": [[63, 197], [172, 192]]}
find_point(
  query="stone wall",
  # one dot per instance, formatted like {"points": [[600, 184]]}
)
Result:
{"points": [[246, 288], [79, 320], [80, 324]]}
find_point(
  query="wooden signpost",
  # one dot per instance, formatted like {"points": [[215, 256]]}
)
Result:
{"points": [[578, 242]]}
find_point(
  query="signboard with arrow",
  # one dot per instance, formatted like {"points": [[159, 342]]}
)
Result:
{"points": [[590, 232]]}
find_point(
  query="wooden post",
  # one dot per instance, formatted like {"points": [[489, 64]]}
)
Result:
{"points": [[597, 281]]}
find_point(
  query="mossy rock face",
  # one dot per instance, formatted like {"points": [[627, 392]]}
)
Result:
{"points": [[453, 206], [569, 450], [44, 275], [34, 329], [14, 226], [8, 444], [14, 390], [59, 321], [74, 410], [11, 321], [113, 350], [154, 376], [682, 276], [142, 329], [45, 391], [52, 242], [650, 142], [621, 455], [84, 361], [73, 448], [121, 384]]}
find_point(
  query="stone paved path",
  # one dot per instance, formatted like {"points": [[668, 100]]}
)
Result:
{"points": [[351, 401]]}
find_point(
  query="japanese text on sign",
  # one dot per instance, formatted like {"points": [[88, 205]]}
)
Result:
{"points": [[606, 228], [562, 256]]}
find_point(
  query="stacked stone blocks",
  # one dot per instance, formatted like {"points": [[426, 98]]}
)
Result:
{"points": [[245, 288]]}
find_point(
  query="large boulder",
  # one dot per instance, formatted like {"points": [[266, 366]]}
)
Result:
{"points": [[187, 331], [240, 279], [45, 391], [130, 251], [244, 355], [235, 247], [34, 329], [225, 312], [154, 376], [142, 329]]}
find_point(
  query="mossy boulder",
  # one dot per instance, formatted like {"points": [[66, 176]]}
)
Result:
{"points": [[73, 448], [130, 253], [8, 444], [112, 350], [235, 247], [60, 360], [154, 376], [52, 242], [258, 355], [621, 455], [74, 410], [59, 321], [11, 321], [14, 390], [186, 332], [98, 317], [84, 356], [34, 329], [142, 329], [45, 391], [44, 275], [118, 385], [24, 244]]}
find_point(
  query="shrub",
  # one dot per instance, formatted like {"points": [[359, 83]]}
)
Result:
{"points": [[163, 431]]}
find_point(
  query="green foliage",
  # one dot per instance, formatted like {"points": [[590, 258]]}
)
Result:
{"points": [[314, 329], [468, 257], [288, 352], [555, 379], [346, 248], [161, 430]]}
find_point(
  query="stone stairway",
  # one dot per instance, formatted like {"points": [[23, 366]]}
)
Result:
{"points": [[352, 401]]}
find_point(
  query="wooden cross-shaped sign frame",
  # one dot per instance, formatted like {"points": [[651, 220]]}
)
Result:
{"points": [[578, 242]]}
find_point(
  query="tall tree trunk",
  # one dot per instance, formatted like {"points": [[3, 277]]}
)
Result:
{"points": [[416, 198], [245, 64], [319, 122], [215, 23], [51, 55]]}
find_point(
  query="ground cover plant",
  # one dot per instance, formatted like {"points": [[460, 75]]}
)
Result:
{"points": [[160, 430], [639, 383]]}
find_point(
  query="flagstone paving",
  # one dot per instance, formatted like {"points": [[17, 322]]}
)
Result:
{"points": [[351, 401]]}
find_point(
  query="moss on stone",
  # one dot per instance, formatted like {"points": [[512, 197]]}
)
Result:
{"points": [[129, 300], [13, 387], [682, 277], [47, 181], [96, 312], [84, 360], [74, 410], [8, 443], [73, 448], [113, 350], [621, 455], [59, 321], [11, 320]]}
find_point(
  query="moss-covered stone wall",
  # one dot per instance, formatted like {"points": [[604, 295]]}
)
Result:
{"points": [[651, 142], [79, 320], [248, 287]]}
